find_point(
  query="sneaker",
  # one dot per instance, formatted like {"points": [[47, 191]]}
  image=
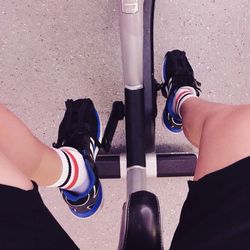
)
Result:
{"points": [[176, 73], [81, 129]]}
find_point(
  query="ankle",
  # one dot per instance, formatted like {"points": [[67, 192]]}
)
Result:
{"points": [[74, 176], [181, 96]]}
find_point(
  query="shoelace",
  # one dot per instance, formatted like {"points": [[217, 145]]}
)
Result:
{"points": [[69, 135], [165, 91], [194, 83]]}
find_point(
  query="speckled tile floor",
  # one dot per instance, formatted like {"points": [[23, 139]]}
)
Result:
{"points": [[51, 50]]}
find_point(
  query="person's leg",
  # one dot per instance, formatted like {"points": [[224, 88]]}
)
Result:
{"points": [[194, 113], [29, 155], [221, 132], [69, 166], [36, 160], [25, 220], [12, 176], [216, 210]]}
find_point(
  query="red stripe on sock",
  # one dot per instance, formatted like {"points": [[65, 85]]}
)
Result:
{"points": [[179, 96], [76, 168]]}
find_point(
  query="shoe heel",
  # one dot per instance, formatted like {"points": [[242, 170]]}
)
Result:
{"points": [[99, 135], [163, 71]]}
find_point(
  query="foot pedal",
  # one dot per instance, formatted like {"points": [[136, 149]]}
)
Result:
{"points": [[116, 115]]}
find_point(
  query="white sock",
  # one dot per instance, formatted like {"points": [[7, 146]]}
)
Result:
{"points": [[181, 96], [74, 175]]}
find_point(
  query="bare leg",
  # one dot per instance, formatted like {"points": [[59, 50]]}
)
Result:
{"points": [[220, 131], [23, 150], [12, 176]]}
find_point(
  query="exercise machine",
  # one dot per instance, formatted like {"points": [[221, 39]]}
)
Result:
{"points": [[141, 222]]}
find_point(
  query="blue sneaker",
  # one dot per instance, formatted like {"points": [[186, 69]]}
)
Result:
{"points": [[81, 129], [176, 73]]}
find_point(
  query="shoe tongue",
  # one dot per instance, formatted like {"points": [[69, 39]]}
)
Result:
{"points": [[81, 143], [85, 147], [182, 71], [183, 80]]}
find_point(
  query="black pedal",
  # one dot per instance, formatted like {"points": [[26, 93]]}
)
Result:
{"points": [[117, 114]]}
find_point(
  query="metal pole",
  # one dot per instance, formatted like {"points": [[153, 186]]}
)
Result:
{"points": [[131, 34]]}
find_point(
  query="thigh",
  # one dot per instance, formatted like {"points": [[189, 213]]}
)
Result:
{"points": [[225, 139], [216, 214]]}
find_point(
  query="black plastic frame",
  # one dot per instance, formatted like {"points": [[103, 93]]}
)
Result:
{"points": [[168, 165], [150, 91], [135, 136]]}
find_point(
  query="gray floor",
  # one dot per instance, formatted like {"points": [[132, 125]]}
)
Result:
{"points": [[53, 50]]}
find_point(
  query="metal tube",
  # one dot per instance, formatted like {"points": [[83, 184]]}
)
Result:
{"points": [[131, 34], [136, 179]]}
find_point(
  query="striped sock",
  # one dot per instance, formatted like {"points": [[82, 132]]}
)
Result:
{"points": [[74, 175], [181, 96]]}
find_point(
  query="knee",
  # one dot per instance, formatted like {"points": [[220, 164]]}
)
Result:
{"points": [[233, 120]]}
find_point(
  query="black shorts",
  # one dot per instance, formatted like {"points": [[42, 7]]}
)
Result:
{"points": [[26, 223], [216, 213]]}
